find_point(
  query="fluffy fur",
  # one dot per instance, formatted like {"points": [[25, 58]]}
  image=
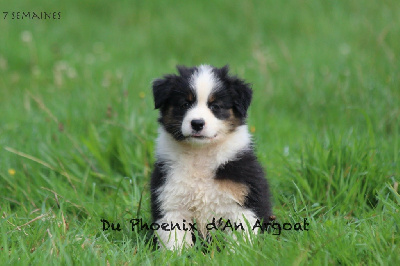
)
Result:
{"points": [[205, 163]]}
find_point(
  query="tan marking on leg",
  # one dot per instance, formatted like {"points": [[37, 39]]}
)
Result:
{"points": [[237, 190]]}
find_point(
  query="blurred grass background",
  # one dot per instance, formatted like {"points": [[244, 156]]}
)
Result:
{"points": [[77, 124]]}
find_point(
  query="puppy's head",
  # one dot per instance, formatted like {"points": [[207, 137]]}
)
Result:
{"points": [[201, 104]]}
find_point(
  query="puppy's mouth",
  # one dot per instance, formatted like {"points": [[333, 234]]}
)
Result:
{"points": [[200, 136]]}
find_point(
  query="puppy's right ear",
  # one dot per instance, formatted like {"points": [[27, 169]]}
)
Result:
{"points": [[162, 88]]}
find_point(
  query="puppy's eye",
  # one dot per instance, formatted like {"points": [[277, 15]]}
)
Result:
{"points": [[185, 106], [215, 107]]}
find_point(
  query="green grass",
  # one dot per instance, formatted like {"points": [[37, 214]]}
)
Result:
{"points": [[77, 125]]}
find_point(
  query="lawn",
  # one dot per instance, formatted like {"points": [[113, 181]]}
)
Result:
{"points": [[77, 125]]}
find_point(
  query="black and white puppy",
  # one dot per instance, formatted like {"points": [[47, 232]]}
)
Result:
{"points": [[205, 163]]}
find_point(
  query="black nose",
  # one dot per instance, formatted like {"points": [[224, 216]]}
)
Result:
{"points": [[197, 124]]}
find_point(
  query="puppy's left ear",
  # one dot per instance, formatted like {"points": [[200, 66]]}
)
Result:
{"points": [[161, 90], [242, 95]]}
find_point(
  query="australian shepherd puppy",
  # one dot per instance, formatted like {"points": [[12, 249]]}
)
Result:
{"points": [[206, 168]]}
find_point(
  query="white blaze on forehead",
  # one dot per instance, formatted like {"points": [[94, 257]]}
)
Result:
{"points": [[203, 81]]}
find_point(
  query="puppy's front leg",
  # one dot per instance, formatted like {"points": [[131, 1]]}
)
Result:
{"points": [[243, 221], [177, 234]]}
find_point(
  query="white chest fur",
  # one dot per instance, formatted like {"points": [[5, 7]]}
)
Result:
{"points": [[190, 191]]}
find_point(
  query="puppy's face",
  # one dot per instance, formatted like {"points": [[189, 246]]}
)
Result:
{"points": [[201, 104]]}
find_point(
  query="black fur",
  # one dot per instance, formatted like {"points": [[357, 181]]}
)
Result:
{"points": [[171, 93], [162, 89], [221, 105], [240, 90], [247, 170], [157, 180]]}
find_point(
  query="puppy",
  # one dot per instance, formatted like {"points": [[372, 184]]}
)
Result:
{"points": [[205, 168]]}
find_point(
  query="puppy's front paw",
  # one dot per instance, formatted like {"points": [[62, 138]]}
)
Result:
{"points": [[175, 237]]}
